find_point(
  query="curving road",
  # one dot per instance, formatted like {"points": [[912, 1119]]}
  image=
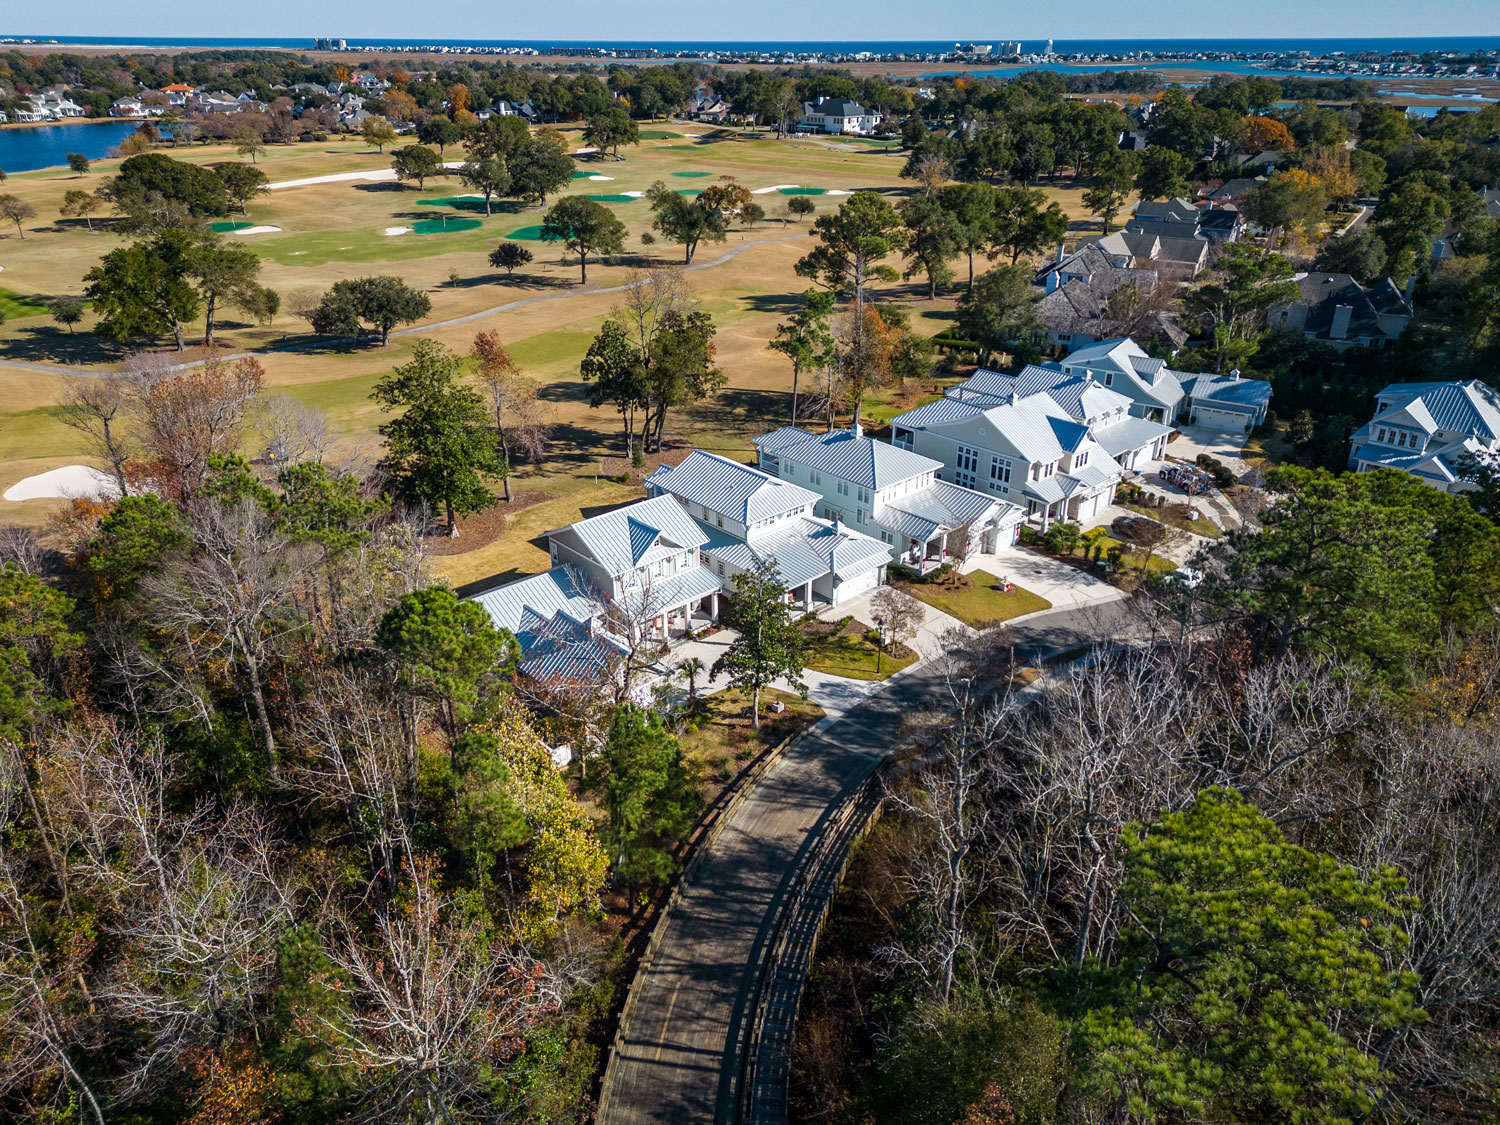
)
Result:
{"points": [[680, 1058]]}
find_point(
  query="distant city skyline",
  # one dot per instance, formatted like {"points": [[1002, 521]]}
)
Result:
{"points": [[779, 20]]}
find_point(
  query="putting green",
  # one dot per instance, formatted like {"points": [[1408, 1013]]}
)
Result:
{"points": [[458, 202], [690, 191], [803, 190], [226, 227], [581, 175], [526, 234], [657, 135], [443, 225], [612, 198], [691, 175]]}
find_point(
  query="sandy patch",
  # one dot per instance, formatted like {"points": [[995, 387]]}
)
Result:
{"points": [[258, 230], [584, 151], [374, 175], [633, 194], [65, 483], [773, 187], [836, 191], [390, 232], [598, 177]]}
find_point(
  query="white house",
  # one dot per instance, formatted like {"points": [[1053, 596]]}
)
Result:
{"points": [[750, 516], [837, 115], [1023, 448], [557, 619], [1227, 402], [643, 562], [894, 494], [1426, 429]]}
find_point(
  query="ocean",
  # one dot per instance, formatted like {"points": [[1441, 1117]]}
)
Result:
{"points": [[1061, 46]]}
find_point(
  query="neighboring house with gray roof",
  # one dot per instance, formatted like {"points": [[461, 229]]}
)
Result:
{"points": [[923, 508], [644, 562], [750, 516], [1338, 311], [1427, 429], [1177, 258]]}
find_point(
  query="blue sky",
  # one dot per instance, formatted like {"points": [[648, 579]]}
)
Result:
{"points": [[984, 20]]}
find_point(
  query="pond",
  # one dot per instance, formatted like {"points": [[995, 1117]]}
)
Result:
{"points": [[26, 148]]}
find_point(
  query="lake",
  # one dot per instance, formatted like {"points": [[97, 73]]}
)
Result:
{"points": [[27, 148]]}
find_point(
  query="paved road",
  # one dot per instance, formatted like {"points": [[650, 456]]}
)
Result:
{"points": [[680, 1060]]}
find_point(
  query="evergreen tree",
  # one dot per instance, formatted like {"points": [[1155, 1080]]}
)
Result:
{"points": [[647, 794], [440, 449], [769, 645]]}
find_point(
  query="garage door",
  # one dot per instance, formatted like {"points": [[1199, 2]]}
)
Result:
{"points": [[858, 584], [1222, 419], [1090, 507]]}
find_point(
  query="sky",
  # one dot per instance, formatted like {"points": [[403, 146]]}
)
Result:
{"points": [[765, 20]]}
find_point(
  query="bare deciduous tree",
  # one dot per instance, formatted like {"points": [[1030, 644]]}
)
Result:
{"points": [[901, 614], [97, 408], [437, 1005], [187, 417], [294, 432], [232, 593]]}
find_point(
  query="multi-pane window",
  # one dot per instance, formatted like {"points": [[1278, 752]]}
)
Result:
{"points": [[843, 488], [968, 459], [1000, 469], [1080, 459]]}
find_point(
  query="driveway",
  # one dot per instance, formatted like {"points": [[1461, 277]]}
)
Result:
{"points": [[1066, 587], [1226, 445], [835, 694]]}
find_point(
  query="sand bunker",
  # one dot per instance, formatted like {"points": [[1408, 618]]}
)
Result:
{"points": [[65, 483], [257, 230], [633, 194], [599, 177], [773, 187], [392, 231]]}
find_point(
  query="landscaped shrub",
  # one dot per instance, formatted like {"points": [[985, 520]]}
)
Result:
{"points": [[1027, 536], [1216, 469]]}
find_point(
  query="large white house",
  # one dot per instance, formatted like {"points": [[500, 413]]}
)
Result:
{"points": [[1427, 429], [750, 516], [837, 115], [893, 494], [1023, 446], [644, 562]]}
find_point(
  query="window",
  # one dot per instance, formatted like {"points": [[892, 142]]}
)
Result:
{"points": [[1000, 469], [859, 515], [719, 566], [843, 488], [1382, 434], [864, 497], [816, 478], [1080, 459], [964, 480], [718, 520], [1109, 378], [968, 459]]}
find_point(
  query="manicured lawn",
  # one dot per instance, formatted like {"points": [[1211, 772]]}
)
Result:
{"points": [[15, 306], [1132, 558], [724, 736], [1175, 515], [982, 602], [851, 655]]}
